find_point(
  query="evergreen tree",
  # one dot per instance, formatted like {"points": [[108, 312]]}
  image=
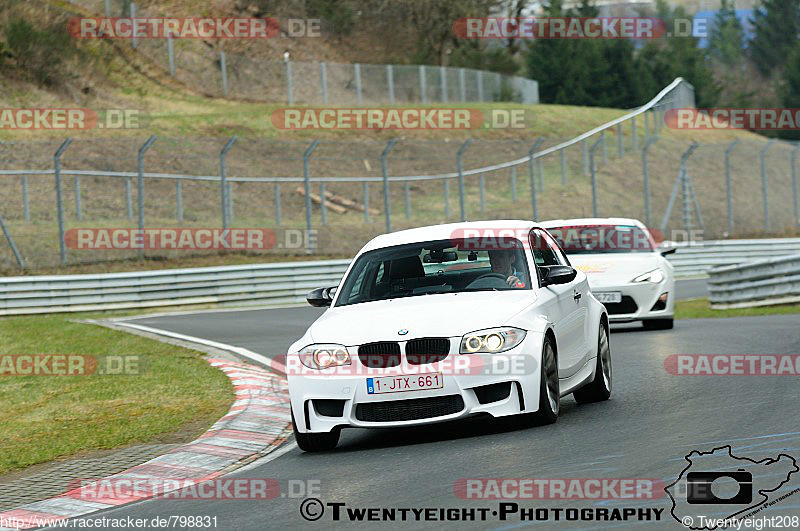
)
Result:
{"points": [[777, 28], [790, 88], [727, 36]]}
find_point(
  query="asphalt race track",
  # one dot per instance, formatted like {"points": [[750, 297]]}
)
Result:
{"points": [[651, 422]]}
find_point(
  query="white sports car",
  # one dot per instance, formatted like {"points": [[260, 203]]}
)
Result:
{"points": [[627, 271], [436, 323]]}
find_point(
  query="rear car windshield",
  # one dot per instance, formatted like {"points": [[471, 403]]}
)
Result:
{"points": [[594, 239], [442, 266]]}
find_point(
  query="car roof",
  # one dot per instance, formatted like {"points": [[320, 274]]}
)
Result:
{"points": [[590, 221], [445, 231]]}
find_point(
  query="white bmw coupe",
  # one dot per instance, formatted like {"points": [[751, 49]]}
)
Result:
{"points": [[627, 271], [442, 322]]}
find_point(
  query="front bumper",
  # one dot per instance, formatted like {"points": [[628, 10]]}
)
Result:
{"points": [[639, 300], [326, 400]]}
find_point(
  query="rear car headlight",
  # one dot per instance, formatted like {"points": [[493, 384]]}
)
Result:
{"points": [[655, 276], [491, 340], [324, 356]]}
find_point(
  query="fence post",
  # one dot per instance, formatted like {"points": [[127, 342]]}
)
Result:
{"points": [[129, 198], [407, 194], [605, 151], [620, 141], [443, 82], [646, 180], [423, 96], [462, 85], [513, 183], [223, 67], [76, 186], [479, 73], [26, 207], [323, 81], [728, 190], [306, 185], [531, 166], [459, 154], [385, 172], [540, 172], [179, 199], [134, 41], [59, 201], [585, 156], [446, 198], [323, 204], [762, 155], [277, 203], [17, 256], [594, 176], [140, 186], [482, 192], [108, 8], [634, 134], [563, 158], [390, 81], [366, 201], [289, 98], [223, 179], [170, 54], [794, 186], [646, 126], [357, 72]]}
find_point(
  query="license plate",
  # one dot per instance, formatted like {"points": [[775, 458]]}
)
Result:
{"points": [[608, 296], [397, 384]]}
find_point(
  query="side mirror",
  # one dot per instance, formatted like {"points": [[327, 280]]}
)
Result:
{"points": [[557, 274], [667, 247], [321, 297]]}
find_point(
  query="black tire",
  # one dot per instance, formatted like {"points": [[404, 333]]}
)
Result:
{"points": [[316, 442], [658, 324], [549, 394], [599, 388]]}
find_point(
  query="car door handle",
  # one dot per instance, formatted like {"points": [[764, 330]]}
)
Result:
{"points": [[576, 296]]}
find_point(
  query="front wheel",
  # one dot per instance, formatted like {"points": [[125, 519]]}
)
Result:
{"points": [[316, 442], [549, 392], [599, 388]]}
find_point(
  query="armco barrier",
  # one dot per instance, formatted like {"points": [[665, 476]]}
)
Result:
{"points": [[756, 283], [276, 284]]}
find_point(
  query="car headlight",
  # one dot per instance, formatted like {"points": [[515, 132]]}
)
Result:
{"points": [[324, 356], [655, 276], [491, 340]]}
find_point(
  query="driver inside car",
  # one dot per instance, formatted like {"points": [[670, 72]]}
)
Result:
{"points": [[502, 262]]}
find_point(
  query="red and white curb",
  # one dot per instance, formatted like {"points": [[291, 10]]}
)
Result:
{"points": [[258, 422]]}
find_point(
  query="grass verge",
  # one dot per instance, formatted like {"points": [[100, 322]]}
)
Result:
{"points": [[47, 417], [700, 309]]}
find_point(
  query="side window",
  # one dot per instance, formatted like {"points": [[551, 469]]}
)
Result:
{"points": [[545, 251], [559, 252]]}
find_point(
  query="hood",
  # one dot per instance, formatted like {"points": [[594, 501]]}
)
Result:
{"points": [[610, 269], [439, 315]]}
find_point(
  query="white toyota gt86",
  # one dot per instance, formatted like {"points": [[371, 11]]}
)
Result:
{"points": [[437, 323], [627, 271]]}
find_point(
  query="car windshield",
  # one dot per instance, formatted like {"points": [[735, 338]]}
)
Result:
{"points": [[594, 239], [443, 266]]}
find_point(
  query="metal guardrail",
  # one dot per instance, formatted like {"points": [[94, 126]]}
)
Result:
{"points": [[756, 283], [696, 259], [283, 283]]}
